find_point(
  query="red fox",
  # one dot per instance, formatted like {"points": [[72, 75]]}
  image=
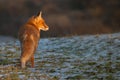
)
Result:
{"points": [[29, 35]]}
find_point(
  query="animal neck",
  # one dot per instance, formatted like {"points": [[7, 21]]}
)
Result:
{"points": [[32, 24]]}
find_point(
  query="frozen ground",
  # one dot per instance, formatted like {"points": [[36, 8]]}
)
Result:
{"points": [[70, 58], [6, 39]]}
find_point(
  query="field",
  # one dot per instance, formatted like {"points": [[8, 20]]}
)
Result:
{"points": [[89, 57]]}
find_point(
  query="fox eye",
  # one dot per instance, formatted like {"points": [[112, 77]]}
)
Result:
{"points": [[41, 22]]}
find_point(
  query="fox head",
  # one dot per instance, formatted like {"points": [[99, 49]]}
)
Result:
{"points": [[39, 22]]}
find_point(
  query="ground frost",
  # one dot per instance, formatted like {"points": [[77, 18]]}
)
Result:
{"points": [[69, 58]]}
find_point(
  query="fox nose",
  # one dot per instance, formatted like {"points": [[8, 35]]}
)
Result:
{"points": [[47, 28]]}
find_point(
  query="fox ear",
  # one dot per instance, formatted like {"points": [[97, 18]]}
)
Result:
{"points": [[40, 14]]}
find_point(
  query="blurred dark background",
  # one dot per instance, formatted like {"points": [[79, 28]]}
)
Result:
{"points": [[64, 17]]}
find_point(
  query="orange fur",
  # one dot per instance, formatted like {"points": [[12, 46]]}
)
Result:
{"points": [[29, 35]]}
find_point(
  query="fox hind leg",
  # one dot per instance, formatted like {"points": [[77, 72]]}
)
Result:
{"points": [[32, 61], [23, 63]]}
